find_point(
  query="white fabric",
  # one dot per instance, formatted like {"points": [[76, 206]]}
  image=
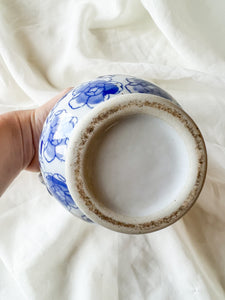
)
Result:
{"points": [[45, 46]]}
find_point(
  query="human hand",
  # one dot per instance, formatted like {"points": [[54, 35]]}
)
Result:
{"points": [[37, 119], [19, 140]]}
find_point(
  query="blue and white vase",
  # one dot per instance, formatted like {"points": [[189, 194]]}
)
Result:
{"points": [[65, 119]]}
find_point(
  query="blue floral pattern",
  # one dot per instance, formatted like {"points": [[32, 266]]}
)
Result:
{"points": [[56, 184], [93, 93], [54, 146], [63, 119], [136, 85]]}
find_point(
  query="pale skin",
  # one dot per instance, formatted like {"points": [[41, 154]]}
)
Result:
{"points": [[19, 138]]}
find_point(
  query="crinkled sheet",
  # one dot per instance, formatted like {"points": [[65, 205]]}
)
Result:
{"points": [[45, 46]]}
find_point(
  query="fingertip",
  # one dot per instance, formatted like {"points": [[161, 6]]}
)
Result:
{"points": [[66, 90]]}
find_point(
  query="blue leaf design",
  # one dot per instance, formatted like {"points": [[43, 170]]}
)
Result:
{"points": [[86, 219], [57, 186], [136, 85]]}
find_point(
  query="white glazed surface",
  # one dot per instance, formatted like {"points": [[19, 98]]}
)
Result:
{"points": [[140, 166], [78, 164]]}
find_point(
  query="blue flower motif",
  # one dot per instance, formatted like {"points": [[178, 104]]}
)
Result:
{"points": [[142, 86], [93, 93], [56, 184], [59, 126]]}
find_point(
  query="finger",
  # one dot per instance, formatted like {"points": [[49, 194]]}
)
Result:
{"points": [[54, 100]]}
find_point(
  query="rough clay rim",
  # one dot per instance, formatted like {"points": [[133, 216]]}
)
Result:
{"points": [[81, 137]]}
